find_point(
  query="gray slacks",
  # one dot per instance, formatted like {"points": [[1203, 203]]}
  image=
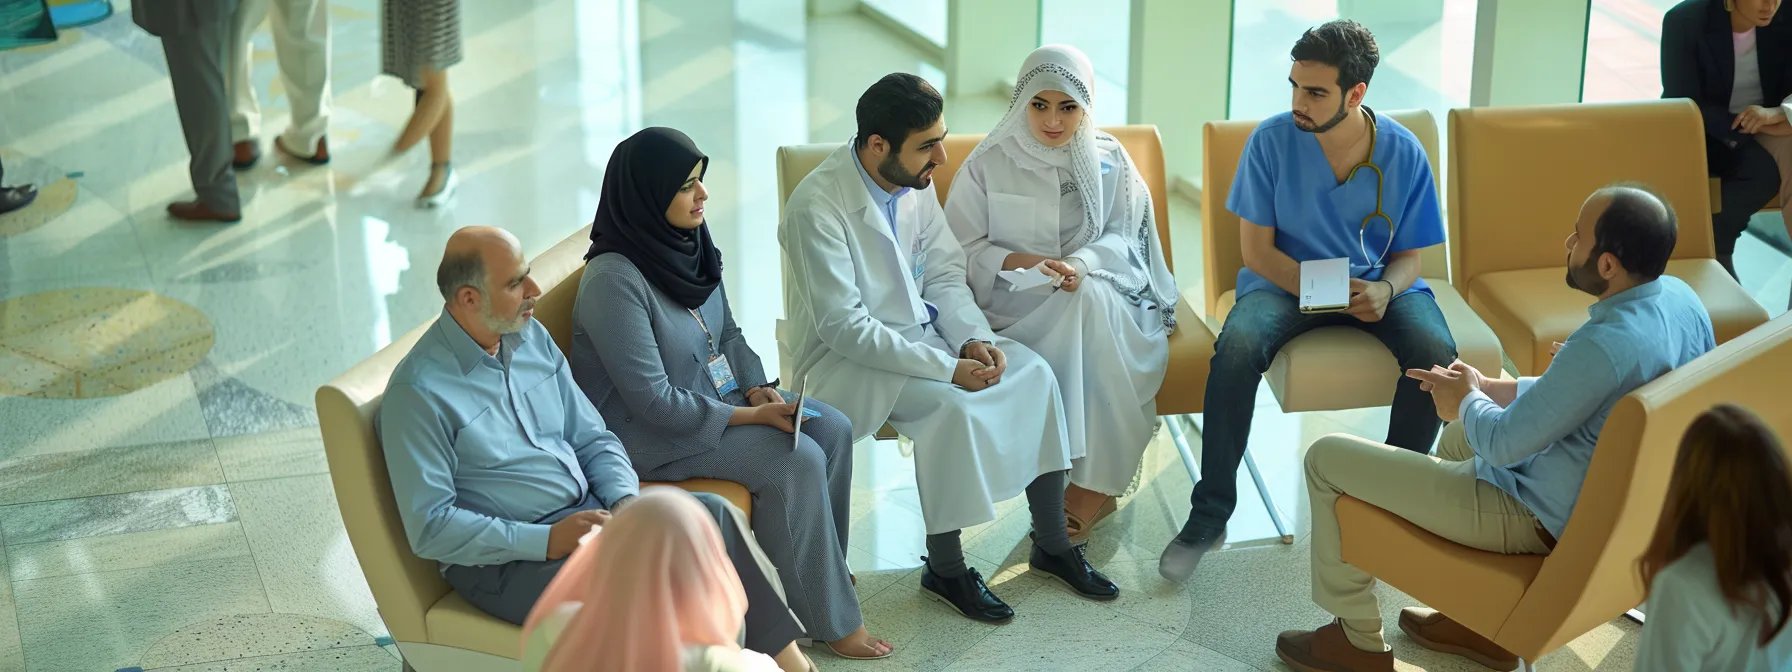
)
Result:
{"points": [[509, 591], [196, 58], [802, 503]]}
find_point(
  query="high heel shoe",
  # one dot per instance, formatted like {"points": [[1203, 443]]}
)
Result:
{"points": [[440, 198]]}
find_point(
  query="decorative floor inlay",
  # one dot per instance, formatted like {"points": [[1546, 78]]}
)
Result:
{"points": [[97, 342]]}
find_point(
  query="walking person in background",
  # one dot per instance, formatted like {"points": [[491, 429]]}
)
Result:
{"points": [[421, 41], [301, 31], [195, 36], [1720, 567]]}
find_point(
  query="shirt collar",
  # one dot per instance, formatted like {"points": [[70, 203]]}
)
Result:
{"points": [[1606, 306], [468, 351], [878, 195]]}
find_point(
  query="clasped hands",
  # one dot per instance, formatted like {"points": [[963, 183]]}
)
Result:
{"points": [[980, 365]]}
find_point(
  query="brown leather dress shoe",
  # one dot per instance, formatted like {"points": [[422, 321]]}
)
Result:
{"points": [[1328, 650], [318, 158], [247, 153], [195, 211], [1435, 631]]}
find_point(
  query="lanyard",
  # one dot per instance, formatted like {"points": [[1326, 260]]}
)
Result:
{"points": [[706, 335]]}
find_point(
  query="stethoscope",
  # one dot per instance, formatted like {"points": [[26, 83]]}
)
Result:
{"points": [[1362, 233]]}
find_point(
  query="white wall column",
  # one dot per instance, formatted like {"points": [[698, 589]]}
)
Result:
{"points": [[986, 41], [1529, 52], [1180, 78]]}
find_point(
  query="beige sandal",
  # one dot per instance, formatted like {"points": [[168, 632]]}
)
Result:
{"points": [[1080, 529]]}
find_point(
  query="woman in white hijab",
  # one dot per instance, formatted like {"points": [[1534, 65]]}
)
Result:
{"points": [[1047, 189]]}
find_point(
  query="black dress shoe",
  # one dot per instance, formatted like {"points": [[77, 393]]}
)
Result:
{"points": [[1185, 550], [1074, 570], [13, 198], [966, 593]]}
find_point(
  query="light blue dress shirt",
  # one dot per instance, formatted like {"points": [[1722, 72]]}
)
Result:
{"points": [[480, 448], [1538, 449], [886, 203], [1285, 181]]}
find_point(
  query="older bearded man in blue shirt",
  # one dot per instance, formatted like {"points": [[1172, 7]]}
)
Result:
{"points": [[499, 462]]}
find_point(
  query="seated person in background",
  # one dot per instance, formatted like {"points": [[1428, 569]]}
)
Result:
{"points": [[1302, 193], [1734, 58], [884, 328], [1047, 187], [498, 462], [1510, 466], [1719, 570], [655, 348], [663, 597]]}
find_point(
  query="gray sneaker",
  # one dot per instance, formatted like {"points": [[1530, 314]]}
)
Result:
{"points": [[1181, 558]]}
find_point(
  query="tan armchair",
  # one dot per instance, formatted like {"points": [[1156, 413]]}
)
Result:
{"points": [[435, 630], [1191, 347], [1533, 604], [1518, 176], [1334, 368]]}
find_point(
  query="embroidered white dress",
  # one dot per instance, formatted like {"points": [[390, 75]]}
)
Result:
{"points": [[1082, 201]]}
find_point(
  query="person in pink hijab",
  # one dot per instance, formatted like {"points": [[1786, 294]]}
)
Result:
{"points": [[665, 593]]}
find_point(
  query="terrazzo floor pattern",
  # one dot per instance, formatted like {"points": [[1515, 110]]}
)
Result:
{"points": [[190, 524]]}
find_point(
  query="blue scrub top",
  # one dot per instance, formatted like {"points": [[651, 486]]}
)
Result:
{"points": [[1284, 181]]}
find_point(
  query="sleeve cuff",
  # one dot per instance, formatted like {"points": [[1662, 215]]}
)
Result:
{"points": [[1524, 385], [1468, 402], [532, 541]]}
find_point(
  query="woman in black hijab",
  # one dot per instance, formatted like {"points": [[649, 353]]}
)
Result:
{"points": [[656, 349]]}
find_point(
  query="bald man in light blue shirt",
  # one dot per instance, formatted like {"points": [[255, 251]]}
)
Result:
{"points": [[499, 462]]}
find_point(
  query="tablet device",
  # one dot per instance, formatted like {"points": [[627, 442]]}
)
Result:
{"points": [[796, 439], [1324, 285]]}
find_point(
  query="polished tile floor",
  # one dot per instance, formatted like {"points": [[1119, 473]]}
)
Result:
{"points": [[164, 498]]}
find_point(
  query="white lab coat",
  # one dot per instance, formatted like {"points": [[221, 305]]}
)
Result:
{"points": [[856, 327]]}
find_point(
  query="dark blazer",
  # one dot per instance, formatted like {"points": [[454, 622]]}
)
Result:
{"points": [[1698, 61]]}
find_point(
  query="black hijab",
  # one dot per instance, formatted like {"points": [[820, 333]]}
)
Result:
{"points": [[645, 173]]}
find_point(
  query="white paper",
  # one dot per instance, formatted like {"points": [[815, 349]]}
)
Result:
{"points": [[1028, 278]]}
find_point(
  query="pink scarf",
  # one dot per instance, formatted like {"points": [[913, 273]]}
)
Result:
{"points": [[653, 581]]}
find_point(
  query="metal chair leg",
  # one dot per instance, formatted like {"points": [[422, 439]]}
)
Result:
{"points": [[1178, 437], [1275, 512]]}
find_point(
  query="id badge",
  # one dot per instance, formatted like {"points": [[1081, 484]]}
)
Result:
{"points": [[722, 375]]}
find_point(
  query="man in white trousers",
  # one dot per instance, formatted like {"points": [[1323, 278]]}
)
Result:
{"points": [[301, 31]]}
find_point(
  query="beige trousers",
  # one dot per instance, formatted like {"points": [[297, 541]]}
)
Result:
{"points": [[1439, 494], [301, 31]]}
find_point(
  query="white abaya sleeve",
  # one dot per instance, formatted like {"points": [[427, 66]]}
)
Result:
{"points": [[967, 213]]}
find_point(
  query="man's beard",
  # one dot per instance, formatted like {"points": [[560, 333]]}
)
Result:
{"points": [[1585, 277], [891, 170], [1336, 119], [500, 324]]}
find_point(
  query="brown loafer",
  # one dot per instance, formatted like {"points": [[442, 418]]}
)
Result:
{"points": [[247, 153], [317, 158], [1328, 650], [1433, 630], [195, 211]]}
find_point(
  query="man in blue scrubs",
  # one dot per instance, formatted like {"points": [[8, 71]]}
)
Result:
{"points": [[1301, 198]]}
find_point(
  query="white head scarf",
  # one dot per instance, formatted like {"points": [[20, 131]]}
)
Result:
{"points": [[1060, 67]]}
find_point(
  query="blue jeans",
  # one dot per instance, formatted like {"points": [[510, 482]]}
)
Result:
{"points": [[1413, 329]]}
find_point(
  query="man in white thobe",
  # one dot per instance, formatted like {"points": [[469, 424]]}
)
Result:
{"points": [[882, 326]]}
